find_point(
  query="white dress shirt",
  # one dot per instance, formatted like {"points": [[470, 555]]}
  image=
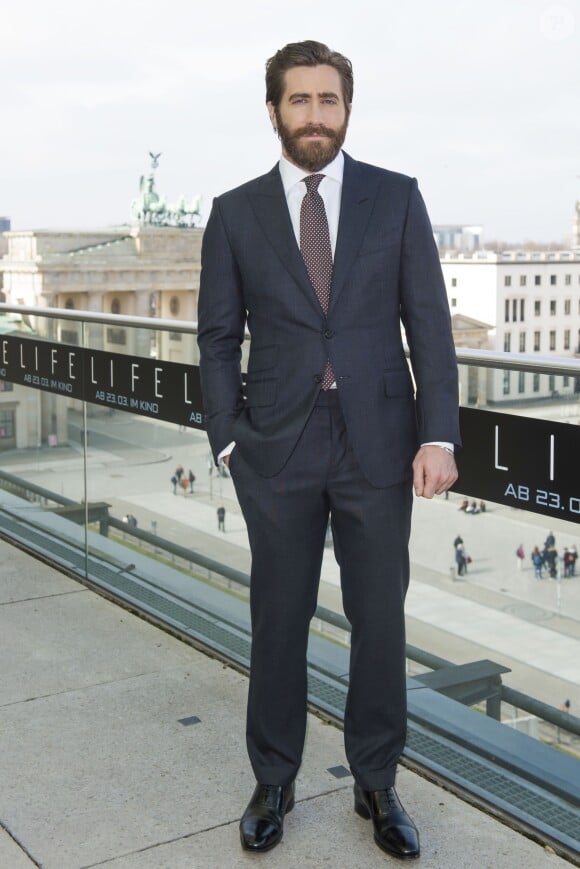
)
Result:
{"points": [[330, 188]]}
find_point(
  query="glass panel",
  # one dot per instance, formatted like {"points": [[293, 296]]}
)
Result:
{"points": [[131, 500]]}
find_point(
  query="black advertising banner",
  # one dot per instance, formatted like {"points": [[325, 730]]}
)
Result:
{"points": [[515, 460], [529, 463], [148, 387]]}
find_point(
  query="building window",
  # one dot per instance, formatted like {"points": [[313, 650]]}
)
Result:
{"points": [[537, 280], [115, 306], [566, 380], [566, 339], [552, 340], [453, 303], [521, 381], [567, 306], [522, 342], [537, 308], [552, 280], [552, 383], [514, 310], [523, 280], [536, 341], [174, 305], [568, 280], [116, 336], [522, 309], [507, 342], [536, 383], [6, 386], [69, 304], [552, 307], [507, 281], [507, 311], [69, 336], [175, 336], [506, 382], [453, 282], [6, 424]]}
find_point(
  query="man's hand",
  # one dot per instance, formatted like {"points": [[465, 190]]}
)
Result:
{"points": [[434, 471], [226, 460]]}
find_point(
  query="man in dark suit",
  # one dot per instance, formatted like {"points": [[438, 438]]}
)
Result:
{"points": [[322, 258]]}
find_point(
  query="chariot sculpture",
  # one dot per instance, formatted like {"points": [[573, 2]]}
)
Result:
{"points": [[151, 209]]}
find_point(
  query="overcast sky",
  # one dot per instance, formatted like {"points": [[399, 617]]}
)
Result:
{"points": [[480, 101]]}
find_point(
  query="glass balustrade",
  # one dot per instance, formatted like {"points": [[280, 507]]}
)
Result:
{"points": [[105, 475]]}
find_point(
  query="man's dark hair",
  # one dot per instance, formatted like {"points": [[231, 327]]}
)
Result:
{"points": [[307, 53]]}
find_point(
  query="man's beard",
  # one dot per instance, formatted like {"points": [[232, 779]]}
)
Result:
{"points": [[311, 154]]}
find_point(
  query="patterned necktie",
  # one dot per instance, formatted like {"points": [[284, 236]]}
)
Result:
{"points": [[316, 251]]}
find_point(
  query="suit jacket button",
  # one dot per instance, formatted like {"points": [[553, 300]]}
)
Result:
{"points": [[318, 378], [328, 333]]}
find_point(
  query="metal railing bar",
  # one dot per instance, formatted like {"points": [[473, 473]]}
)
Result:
{"points": [[465, 356]]}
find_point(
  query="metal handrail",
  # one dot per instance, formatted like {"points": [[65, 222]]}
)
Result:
{"points": [[465, 355]]}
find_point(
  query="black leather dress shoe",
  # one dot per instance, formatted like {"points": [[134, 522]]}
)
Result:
{"points": [[262, 823], [395, 832]]}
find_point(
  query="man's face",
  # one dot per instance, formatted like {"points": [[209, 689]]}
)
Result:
{"points": [[312, 117]]}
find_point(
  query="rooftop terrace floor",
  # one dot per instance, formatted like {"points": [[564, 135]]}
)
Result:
{"points": [[101, 767]]}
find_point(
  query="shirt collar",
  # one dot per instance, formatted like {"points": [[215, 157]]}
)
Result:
{"points": [[292, 175]]}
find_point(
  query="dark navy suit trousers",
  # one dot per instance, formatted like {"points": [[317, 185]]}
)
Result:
{"points": [[287, 517]]}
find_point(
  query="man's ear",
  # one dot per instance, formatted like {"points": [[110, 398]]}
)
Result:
{"points": [[272, 113]]}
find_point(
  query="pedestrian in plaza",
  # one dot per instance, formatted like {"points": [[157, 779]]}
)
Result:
{"points": [[221, 517], [174, 482], [191, 478], [537, 561], [323, 257], [184, 483], [550, 540], [551, 558], [460, 560], [464, 505], [520, 555], [458, 540], [573, 558], [179, 472], [566, 562]]}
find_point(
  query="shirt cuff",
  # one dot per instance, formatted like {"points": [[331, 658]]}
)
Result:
{"points": [[226, 451], [443, 444]]}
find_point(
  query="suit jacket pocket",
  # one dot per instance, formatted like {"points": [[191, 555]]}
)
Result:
{"points": [[261, 393], [262, 358], [398, 383]]}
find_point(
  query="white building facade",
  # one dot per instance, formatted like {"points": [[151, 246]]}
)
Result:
{"points": [[145, 271], [533, 301]]}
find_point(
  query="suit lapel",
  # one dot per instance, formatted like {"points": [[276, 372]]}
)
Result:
{"points": [[271, 209], [358, 196]]}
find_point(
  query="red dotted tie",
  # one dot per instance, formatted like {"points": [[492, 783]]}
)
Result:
{"points": [[316, 251]]}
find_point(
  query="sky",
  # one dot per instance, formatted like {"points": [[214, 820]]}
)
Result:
{"points": [[479, 101]]}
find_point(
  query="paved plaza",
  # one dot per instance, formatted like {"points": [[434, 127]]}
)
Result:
{"points": [[497, 611]]}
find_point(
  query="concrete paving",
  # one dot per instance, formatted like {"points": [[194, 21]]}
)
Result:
{"points": [[122, 747]]}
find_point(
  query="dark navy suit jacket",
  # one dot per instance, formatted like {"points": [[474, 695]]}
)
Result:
{"points": [[386, 269]]}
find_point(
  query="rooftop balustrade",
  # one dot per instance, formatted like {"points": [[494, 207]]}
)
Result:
{"points": [[92, 433]]}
